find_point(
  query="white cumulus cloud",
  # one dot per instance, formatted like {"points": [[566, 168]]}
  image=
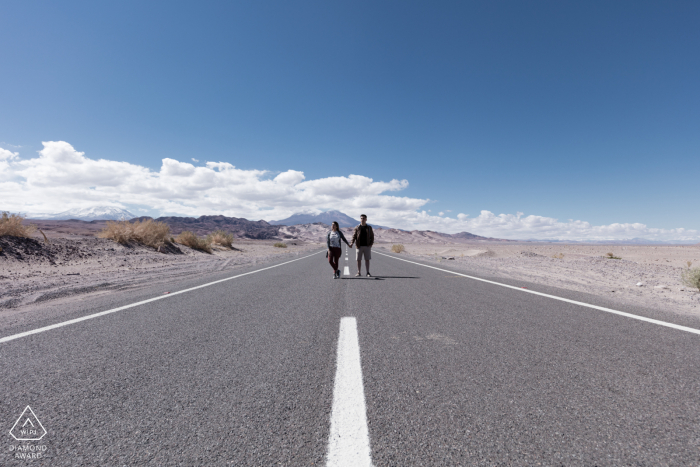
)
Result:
{"points": [[62, 178], [7, 155]]}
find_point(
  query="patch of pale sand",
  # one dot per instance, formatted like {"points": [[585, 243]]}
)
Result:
{"points": [[583, 268], [474, 253], [449, 252], [460, 252]]}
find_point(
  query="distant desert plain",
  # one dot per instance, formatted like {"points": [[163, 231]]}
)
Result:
{"points": [[46, 275]]}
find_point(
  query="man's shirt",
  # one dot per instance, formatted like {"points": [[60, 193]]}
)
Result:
{"points": [[363, 236]]}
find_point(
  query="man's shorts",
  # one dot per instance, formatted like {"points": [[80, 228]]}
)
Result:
{"points": [[365, 251]]}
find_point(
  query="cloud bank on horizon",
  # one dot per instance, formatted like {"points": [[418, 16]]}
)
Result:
{"points": [[61, 178]]}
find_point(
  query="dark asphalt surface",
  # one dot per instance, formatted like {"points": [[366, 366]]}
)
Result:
{"points": [[456, 372]]}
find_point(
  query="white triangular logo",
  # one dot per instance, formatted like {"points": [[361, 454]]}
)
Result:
{"points": [[28, 427]]}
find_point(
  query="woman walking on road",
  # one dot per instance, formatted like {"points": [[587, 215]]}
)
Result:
{"points": [[333, 240]]}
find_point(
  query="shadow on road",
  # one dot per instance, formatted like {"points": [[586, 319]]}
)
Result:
{"points": [[379, 278]]}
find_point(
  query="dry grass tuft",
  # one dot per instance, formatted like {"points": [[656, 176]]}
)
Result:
{"points": [[46, 240], [398, 248], [151, 233], [691, 277], [191, 240], [11, 224], [612, 256], [219, 237], [147, 232], [120, 232], [559, 256], [280, 245]]}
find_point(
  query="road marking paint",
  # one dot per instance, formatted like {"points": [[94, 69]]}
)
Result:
{"points": [[160, 297], [348, 442], [346, 271], [346, 258], [562, 299]]}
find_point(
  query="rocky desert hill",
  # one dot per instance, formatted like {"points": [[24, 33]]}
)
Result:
{"points": [[203, 225]]}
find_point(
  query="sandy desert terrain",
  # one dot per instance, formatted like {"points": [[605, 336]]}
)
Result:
{"points": [[33, 273], [580, 267]]}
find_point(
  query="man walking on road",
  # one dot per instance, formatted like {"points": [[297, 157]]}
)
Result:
{"points": [[363, 237]]}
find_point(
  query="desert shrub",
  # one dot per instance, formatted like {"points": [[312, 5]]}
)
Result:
{"points": [[147, 232], [221, 238], [398, 248], [280, 245], [191, 240], [612, 256], [120, 232], [11, 224], [558, 256], [151, 233], [691, 277]]}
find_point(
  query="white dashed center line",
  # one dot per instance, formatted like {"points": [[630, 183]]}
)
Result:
{"points": [[346, 271], [348, 443]]}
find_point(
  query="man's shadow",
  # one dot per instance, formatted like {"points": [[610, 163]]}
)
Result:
{"points": [[379, 278]]}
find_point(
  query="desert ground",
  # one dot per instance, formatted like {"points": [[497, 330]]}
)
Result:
{"points": [[71, 263], [35, 275], [581, 267]]}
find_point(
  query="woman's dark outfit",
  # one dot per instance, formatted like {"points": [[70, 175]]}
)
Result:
{"points": [[335, 251]]}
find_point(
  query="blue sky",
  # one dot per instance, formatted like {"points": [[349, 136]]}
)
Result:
{"points": [[568, 110]]}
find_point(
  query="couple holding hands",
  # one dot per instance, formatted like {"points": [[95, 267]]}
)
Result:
{"points": [[362, 238]]}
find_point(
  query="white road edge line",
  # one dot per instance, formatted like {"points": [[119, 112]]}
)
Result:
{"points": [[348, 442], [596, 307], [161, 297]]}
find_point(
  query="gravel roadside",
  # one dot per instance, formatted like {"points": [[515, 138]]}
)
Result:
{"points": [[33, 272], [584, 269]]}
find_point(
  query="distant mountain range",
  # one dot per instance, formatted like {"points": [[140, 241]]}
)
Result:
{"points": [[627, 241], [343, 220], [317, 233], [95, 213], [309, 231]]}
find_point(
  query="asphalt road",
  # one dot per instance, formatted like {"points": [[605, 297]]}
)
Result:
{"points": [[455, 372]]}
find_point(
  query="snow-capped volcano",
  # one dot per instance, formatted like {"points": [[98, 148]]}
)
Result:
{"points": [[342, 219], [95, 213]]}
